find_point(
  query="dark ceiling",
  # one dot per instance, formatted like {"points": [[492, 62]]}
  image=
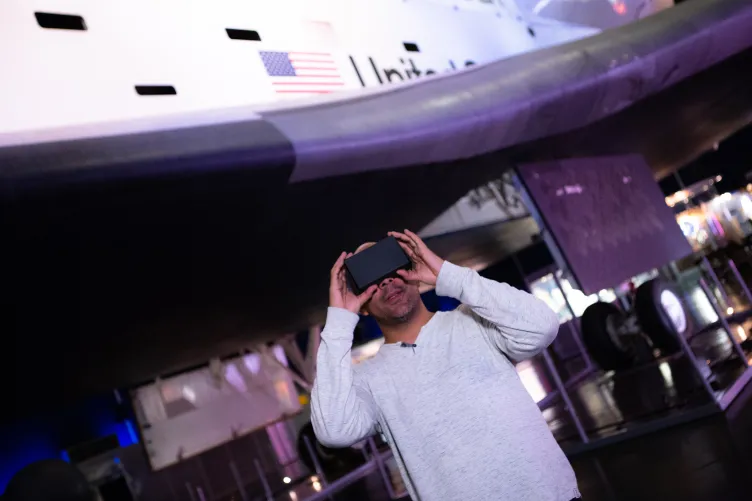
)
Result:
{"points": [[732, 159]]}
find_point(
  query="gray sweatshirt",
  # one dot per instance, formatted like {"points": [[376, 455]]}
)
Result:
{"points": [[452, 408]]}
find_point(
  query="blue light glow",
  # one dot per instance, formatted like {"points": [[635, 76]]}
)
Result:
{"points": [[49, 436], [131, 431], [22, 447]]}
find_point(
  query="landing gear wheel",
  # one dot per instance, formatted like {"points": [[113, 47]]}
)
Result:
{"points": [[597, 324], [334, 462], [661, 315]]}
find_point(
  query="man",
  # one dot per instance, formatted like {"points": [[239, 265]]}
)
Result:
{"points": [[442, 389]]}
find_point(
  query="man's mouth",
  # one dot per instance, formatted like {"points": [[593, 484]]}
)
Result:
{"points": [[393, 296]]}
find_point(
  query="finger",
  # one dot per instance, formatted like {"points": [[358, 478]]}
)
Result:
{"points": [[401, 237], [409, 250], [342, 270], [411, 254], [337, 266], [338, 280], [408, 276], [342, 278], [367, 295], [415, 239]]}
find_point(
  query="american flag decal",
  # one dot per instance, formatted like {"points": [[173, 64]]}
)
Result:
{"points": [[302, 72]]}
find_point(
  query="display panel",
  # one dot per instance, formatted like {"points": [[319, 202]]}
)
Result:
{"points": [[607, 216]]}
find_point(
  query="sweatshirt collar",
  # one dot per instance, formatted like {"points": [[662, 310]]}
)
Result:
{"points": [[423, 330]]}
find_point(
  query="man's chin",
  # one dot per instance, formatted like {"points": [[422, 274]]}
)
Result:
{"points": [[400, 314]]}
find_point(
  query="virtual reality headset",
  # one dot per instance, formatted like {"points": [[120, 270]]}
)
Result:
{"points": [[376, 263]]}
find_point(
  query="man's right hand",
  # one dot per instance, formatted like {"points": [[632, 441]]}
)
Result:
{"points": [[340, 296]]}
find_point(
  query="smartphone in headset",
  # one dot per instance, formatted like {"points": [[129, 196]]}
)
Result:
{"points": [[376, 263]]}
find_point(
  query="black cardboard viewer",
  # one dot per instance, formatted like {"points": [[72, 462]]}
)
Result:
{"points": [[375, 263]]}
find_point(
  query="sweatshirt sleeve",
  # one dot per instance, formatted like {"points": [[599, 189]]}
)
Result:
{"points": [[342, 409], [519, 324]]}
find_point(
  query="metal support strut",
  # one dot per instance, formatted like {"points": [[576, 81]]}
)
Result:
{"points": [[575, 326], [724, 323], [565, 396]]}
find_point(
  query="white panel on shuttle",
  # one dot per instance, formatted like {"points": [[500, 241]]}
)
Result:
{"points": [[56, 78]]}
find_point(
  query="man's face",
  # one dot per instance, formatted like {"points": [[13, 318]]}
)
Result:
{"points": [[394, 302]]}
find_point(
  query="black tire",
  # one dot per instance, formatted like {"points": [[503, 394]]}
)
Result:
{"points": [[334, 462], [597, 339], [655, 320], [48, 479]]}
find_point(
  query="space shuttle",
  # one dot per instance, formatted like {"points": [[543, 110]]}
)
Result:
{"points": [[176, 178]]}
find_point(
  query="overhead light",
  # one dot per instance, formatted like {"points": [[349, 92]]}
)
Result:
{"points": [[287, 480], [679, 196], [189, 394], [742, 334]]}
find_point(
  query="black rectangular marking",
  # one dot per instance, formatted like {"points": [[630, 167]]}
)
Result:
{"points": [[411, 47], [250, 35], [155, 90], [60, 21]]}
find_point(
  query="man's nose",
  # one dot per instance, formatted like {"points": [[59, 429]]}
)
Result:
{"points": [[385, 282]]}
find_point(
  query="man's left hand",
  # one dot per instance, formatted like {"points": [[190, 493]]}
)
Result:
{"points": [[426, 264]]}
